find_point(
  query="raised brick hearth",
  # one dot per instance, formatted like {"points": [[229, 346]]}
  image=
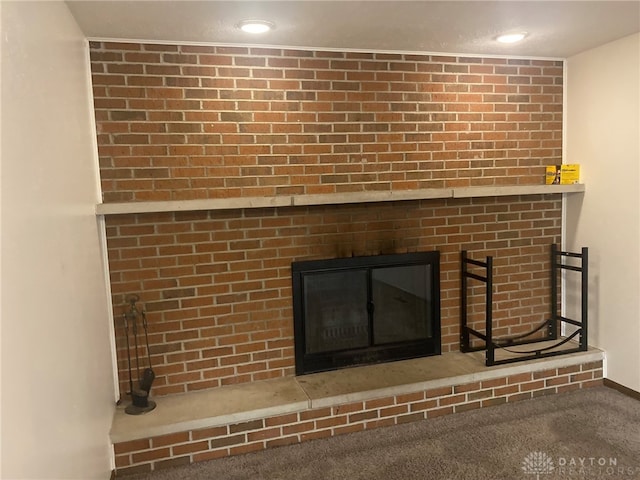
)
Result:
{"points": [[245, 418]]}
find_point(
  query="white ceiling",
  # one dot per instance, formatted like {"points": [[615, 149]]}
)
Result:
{"points": [[556, 29]]}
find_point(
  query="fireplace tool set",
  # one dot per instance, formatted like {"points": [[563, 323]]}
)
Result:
{"points": [[140, 402]]}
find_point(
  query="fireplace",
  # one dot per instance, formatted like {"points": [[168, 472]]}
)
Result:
{"points": [[363, 310]]}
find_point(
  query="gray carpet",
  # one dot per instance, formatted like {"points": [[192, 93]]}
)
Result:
{"points": [[566, 436]]}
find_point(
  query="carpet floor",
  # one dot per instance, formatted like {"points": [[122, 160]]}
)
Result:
{"points": [[586, 434]]}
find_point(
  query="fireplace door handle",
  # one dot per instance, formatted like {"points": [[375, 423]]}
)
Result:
{"points": [[370, 308]]}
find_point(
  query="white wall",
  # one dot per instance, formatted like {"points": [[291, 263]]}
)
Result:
{"points": [[603, 135], [57, 383]]}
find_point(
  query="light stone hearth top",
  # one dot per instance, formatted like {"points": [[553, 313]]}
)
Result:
{"points": [[331, 198], [250, 401]]}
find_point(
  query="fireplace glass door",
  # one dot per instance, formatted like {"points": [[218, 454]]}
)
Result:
{"points": [[336, 311], [365, 310], [401, 303]]}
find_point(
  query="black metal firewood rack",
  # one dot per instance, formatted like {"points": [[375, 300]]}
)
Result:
{"points": [[559, 261]]}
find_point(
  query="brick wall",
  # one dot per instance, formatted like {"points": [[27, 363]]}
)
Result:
{"points": [[186, 122], [217, 285]]}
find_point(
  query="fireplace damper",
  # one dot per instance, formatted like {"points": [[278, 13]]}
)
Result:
{"points": [[363, 310]]}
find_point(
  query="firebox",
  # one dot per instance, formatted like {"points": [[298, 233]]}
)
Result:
{"points": [[363, 310]]}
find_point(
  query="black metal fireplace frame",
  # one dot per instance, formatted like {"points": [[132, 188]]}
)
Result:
{"points": [[311, 363], [550, 326]]}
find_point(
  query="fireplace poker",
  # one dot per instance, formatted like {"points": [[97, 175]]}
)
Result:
{"points": [[140, 402]]}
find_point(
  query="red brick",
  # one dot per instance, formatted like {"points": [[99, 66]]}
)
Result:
{"points": [[348, 429], [450, 400], [331, 422], [281, 442], [571, 369], [524, 387], [396, 159], [598, 382], [228, 441], [394, 411], [439, 412], [550, 382], [383, 422], [412, 417], [170, 439], [189, 448], [264, 434], [506, 390], [493, 401], [568, 388], [496, 382], [298, 428], [469, 387], [438, 392], [135, 470], [281, 420], [466, 406], [209, 433], [380, 402], [150, 455], [172, 462], [425, 405], [479, 395], [315, 435], [579, 377], [131, 446], [123, 460], [359, 417], [311, 414], [544, 392], [348, 408], [592, 365], [252, 447], [210, 455], [519, 396], [545, 373], [519, 378]]}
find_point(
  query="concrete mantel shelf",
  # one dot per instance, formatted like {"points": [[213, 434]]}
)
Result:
{"points": [[192, 205], [369, 197], [504, 190], [330, 198]]}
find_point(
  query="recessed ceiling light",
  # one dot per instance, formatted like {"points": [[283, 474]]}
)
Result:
{"points": [[511, 37], [255, 26]]}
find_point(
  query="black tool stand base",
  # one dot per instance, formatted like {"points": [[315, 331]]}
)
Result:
{"points": [[140, 403], [136, 410]]}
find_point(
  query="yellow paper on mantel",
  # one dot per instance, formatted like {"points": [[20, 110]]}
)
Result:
{"points": [[552, 175], [565, 174], [569, 174]]}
